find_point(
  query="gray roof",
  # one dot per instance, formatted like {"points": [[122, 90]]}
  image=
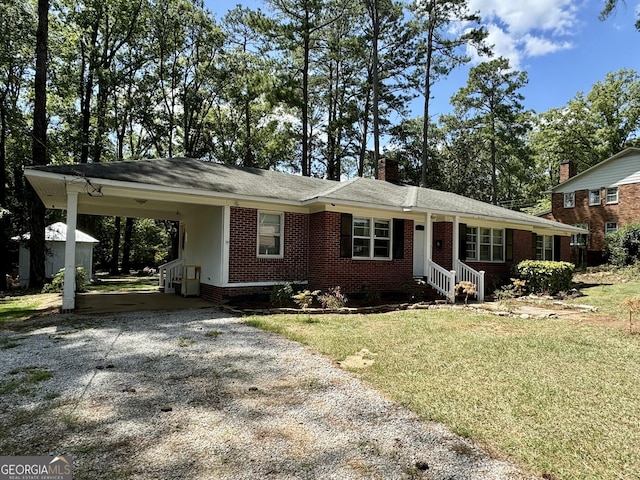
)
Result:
{"points": [[57, 232], [214, 178]]}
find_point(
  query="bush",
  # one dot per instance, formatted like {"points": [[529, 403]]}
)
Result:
{"points": [[623, 246], [333, 299], [57, 284], [281, 294], [545, 276]]}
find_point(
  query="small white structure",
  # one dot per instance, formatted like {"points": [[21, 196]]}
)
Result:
{"points": [[55, 237]]}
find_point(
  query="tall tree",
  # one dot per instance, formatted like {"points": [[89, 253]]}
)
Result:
{"points": [[39, 150], [440, 51], [491, 105], [301, 23], [16, 52]]}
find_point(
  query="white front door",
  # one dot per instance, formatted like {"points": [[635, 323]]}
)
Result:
{"points": [[418, 250]]}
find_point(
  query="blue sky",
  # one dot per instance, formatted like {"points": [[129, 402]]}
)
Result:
{"points": [[561, 44]]}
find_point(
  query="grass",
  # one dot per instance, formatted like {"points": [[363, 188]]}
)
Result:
{"points": [[123, 283], [19, 307], [557, 396]]}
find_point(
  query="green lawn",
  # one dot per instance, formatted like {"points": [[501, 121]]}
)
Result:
{"points": [[556, 396]]}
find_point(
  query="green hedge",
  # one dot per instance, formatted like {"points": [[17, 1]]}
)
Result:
{"points": [[544, 276], [623, 246]]}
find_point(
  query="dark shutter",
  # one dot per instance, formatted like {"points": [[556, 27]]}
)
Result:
{"points": [[534, 246], [509, 244], [556, 248], [398, 238], [462, 242], [346, 224]]}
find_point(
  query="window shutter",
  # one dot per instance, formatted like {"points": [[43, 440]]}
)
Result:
{"points": [[509, 244], [346, 223], [398, 238], [534, 246], [556, 248], [462, 241]]}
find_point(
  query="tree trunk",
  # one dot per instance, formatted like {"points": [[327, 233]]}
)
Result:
{"points": [[39, 148], [376, 86], [4, 219], [126, 247], [428, 174], [306, 167], [115, 251]]}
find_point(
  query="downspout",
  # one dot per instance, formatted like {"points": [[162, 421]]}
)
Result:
{"points": [[69, 292]]}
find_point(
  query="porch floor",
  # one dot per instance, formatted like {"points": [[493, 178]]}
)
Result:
{"points": [[112, 302]]}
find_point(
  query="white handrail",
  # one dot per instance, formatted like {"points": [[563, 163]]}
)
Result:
{"points": [[170, 272], [467, 274], [442, 280]]}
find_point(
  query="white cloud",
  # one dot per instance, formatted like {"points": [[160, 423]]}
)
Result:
{"points": [[523, 28]]}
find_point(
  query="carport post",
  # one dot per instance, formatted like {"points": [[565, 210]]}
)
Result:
{"points": [[69, 292]]}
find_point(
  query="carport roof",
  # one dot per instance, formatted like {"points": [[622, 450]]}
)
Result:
{"points": [[186, 179]]}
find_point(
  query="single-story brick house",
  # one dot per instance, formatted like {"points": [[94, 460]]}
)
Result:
{"points": [[600, 200], [249, 229]]}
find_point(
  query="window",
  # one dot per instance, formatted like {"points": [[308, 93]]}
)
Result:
{"points": [[485, 244], [270, 237], [544, 247], [569, 200], [612, 195], [371, 238], [594, 197], [610, 227], [579, 239]]}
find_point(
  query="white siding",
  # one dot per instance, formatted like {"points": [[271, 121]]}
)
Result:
{"points": [[618, 171], [203, 246]]}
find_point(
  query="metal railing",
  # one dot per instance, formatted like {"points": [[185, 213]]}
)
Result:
{"points": [[170, 272]]}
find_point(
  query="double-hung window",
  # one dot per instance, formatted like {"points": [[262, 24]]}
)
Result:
{"points": [[569, 200], [270, 235], [580, 239], [485, 244], [371, 238], [610, 227], [544, 247], [594, 197], [612, 195]]}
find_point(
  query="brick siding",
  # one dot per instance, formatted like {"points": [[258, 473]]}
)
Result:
{"points": [[327, 269], [626, 211], [244, 264]]}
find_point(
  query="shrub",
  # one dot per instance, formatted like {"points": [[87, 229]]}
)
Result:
{"points": [[545, 276], [333, 299], [57, 284], [304, 299], [623, 246], [281, 294]]}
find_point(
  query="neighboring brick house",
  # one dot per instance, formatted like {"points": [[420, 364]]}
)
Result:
{"points": [[601, 200], [249, 229]]}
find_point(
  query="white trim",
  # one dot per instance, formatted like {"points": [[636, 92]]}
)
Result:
{"points": [[372, 238], [599, 202], [606, 196], [280, 254], [226, 241], [260, 284]]}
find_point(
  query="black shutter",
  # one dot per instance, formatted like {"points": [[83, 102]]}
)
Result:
{"points": [[556, 248], [534, 246], [509, 244], [398, 238], [346, 223], [462, 242]]}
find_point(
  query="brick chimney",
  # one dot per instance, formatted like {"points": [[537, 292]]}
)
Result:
{"points": [[567, 170], [388, 170]]}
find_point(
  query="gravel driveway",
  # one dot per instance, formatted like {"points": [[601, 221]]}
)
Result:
{"points": [[197, 394]]}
